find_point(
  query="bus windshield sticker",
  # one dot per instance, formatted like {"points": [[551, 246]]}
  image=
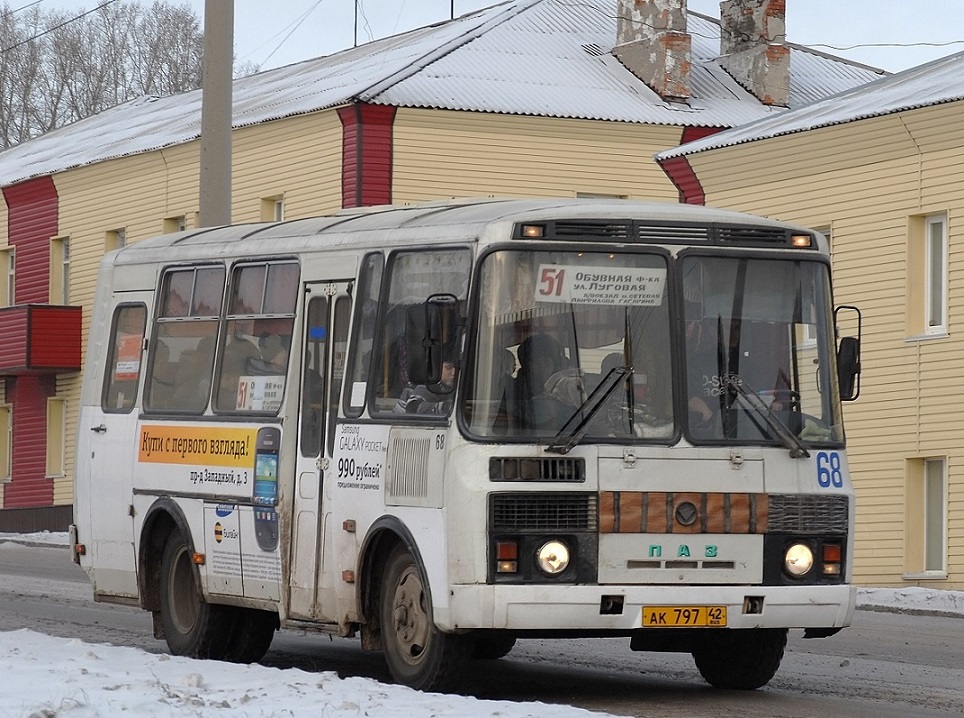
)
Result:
{"points": [[625, 286]]}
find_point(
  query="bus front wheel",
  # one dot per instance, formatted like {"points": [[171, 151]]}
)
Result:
{"points": [[418, 654], [741, 659], [192, 627]]}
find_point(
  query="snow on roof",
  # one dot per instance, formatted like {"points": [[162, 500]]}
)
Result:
{"points": [[549, 58], [933, 83]]}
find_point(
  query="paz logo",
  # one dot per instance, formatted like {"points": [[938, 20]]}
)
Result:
{"points": [[218, 532]]}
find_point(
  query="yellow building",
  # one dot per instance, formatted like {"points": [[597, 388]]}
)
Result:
{"points": [[879, 169], [527, 98]]}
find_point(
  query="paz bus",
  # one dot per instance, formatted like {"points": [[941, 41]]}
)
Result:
{"points": [[442, 428]]}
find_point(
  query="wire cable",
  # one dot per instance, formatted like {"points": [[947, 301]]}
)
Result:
{"points": [[57, 27]]}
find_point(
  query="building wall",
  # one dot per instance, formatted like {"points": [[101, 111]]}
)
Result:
{"points": [[442, 154], [298, 160], [868, 181]]}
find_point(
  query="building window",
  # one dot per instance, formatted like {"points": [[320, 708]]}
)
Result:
{"points": [[56, 433], [935, 274], [273, 209], [934, 515], [6, 443], [174, 224], [7, 276], [926, 519], [115, 239], [60, 270]]}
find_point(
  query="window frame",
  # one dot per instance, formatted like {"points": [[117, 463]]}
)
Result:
{"points": [[159, 320], [9, 269], [59, 291], [6, 442], [112, 351], [56, 442], [935, 537], [931, 298], [357, 375], [228, 316]]}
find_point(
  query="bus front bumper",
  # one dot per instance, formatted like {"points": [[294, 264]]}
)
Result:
{"points": [[619, 609]]}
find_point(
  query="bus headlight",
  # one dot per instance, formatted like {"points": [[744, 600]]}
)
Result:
{"points": [[553, 558], [798, 560]]}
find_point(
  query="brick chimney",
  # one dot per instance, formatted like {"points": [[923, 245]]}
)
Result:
{"points": [[753, 50], [652, 42]]}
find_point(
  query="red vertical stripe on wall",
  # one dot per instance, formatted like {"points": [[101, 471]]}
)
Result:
{"points": [[31, 222], [691, 134], [28, 395], [679, 170], [366, 152]]}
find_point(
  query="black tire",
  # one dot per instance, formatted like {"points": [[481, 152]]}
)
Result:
{"points": [[417, 653], [492, 645], [741, 659], [192, 627], [251, 634]]}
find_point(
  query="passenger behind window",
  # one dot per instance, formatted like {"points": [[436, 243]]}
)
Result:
{"points": [[234, 364], [192, 379], [274, 356], [546, 389], [422, 399]]}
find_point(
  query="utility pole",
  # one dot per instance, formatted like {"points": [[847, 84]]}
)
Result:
{"points": [[214, 200]]}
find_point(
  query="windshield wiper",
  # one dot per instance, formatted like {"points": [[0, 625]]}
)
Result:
{"points": [[790, 440], [577, 425]]}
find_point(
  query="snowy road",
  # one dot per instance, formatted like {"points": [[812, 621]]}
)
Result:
{"points": [[887, 664]]}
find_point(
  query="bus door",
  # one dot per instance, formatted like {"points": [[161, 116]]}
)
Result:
{"points": [[106, 440], [327, 313]]}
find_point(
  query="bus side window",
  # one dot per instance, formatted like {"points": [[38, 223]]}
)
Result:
{"points": [[414, 276], [123, 369], [363, 335], [182, 343], [256, 337]]}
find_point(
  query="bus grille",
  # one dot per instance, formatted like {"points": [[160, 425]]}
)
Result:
{"points": [[518, 512], [808, 514], [408, 468], [529, 469]]}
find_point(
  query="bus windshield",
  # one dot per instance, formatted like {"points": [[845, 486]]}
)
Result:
{"points": [[759, 351], [753, 363]]}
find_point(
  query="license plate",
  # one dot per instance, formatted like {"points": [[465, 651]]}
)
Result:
{"points": [[684, 616]]}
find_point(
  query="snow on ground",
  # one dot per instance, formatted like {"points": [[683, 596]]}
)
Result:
{"points": [[46, 677]]}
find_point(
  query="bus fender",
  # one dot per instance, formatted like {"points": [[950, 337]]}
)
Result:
{"points": [[382, 536], [163, 517]]}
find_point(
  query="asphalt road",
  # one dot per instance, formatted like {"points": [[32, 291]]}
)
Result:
{"points": [[886, 664]]}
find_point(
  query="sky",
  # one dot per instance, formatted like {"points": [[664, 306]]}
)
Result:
{"points": [[47, 676], [279, 33]]}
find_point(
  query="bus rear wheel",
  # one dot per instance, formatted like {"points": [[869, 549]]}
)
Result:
{"points": [[192, 627], [418, 654], [741, 659], [251, 634]]}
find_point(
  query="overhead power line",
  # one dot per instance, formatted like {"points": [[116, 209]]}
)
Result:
{"points": [[55, 27]]}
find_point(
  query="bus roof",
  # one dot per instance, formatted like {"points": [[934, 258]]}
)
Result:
{"points": [[438, 222]]}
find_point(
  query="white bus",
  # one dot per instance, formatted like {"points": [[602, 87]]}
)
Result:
{"points": [[446, 427]]}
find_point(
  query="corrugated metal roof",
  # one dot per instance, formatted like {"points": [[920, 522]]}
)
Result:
{"points": [[934, 83], [548, 58]]}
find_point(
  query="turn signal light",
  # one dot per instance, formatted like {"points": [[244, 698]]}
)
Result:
{"points": [[198, 558], [507, 557]]}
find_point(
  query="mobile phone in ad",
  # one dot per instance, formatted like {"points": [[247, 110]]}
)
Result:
{"points": [[266, 487]]}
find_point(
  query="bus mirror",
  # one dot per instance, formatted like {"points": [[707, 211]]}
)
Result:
{"points": [[848, 351], [848, 368], [431, 339]]}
